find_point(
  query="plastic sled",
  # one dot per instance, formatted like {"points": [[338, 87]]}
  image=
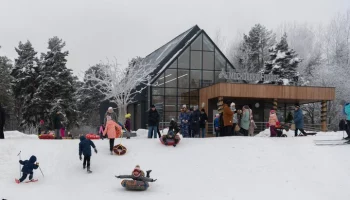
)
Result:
{"points": [[46, 137], [170, 141], [92, 136], [119, 149], [135, 185]]}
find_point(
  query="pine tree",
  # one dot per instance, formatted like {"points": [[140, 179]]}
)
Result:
{"points": [[254, 48], [89, 95], [284, 63], [25, 73], [56, 87], [6, 97]]}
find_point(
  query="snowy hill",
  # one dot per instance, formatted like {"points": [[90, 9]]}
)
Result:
{"points": [[234, 168]]}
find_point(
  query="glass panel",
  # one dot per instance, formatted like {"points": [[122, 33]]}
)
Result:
{"points": [[170, 115], [183, 92], [218, 79], [207, 45], [170, 104], [196, 60], [194, 92], [171, 78], [157, 91], [220, 61], [229, 66], [158, 102], [173, 65], [184, 78], [197, 44], [170, 91], [208, 60], [183, 101], [159, 81], [184, 59], [208, 78], [195, 78], [194, 101]]}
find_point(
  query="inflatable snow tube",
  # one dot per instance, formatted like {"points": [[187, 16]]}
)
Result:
{"points": [[91, 136], [46, 137], [119, 149], [170, 141], [135, 185]]}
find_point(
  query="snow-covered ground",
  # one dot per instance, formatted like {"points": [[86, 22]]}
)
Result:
{"points": [[231, 168]]}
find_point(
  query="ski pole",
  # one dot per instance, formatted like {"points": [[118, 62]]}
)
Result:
{"points": [[19, 154], [41, 171]]}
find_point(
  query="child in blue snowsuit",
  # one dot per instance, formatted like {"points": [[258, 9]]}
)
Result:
{"points": [[28, 166], [84, 148]]}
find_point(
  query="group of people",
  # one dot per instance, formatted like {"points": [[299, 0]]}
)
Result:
{"points": [[193, 122], [233, 122]]}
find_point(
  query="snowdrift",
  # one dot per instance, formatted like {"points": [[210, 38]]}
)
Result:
{"points": [[18, 135]]}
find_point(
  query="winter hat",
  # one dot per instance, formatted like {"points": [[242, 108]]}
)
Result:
{"points": [[110, 108], [217, 115], [184, 106], [137, 167], [272, 111], [128, 116], [297, 105], [152, 106], [195, 107]]}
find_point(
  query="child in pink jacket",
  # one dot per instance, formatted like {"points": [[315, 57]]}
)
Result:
{"points": [[113, 130], [273, 121]]}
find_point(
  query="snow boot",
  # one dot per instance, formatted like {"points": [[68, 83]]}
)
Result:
{"points": [[174, 145], [84, 167], [88, 170], [148, 173], [128, 138]]}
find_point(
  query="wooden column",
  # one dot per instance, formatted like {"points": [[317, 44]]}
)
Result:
{"points": [[324, 116], [220, 104], [274, 104]]}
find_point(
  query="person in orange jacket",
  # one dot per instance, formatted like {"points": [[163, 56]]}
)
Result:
{"points": [[113, 130]]}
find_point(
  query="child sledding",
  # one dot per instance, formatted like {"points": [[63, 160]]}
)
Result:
{"points": [[172, 137], [139, 181], [28, 167]]}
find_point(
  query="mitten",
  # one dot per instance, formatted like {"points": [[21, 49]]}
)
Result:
{"points": [[37, 163], [80, 157], [117, 176], [95, 150]]}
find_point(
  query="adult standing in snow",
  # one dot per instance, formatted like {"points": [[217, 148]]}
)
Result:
{"points": [[110, 112], [57, 124], [245, 121], [228, 119], [2, 122], [203, 121], [184, 117], [299, 120], [194, 120], [113, 130], [153, 121]]}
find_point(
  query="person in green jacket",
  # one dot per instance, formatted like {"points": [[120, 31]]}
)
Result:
{"points": [[245, 121]]}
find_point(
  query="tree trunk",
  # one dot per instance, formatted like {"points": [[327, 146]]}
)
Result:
{"points": [[122, 109]]}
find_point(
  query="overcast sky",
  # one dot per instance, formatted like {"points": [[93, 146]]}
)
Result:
{"points": [[95, 30]]}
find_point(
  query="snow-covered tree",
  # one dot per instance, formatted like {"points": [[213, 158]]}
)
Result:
{"points": [[6, 97], [25, 73], [284, 63], [121, 85], [56, 85], [89, 95]]}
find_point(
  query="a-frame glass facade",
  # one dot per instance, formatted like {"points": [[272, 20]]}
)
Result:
{"points": [[198, 66]]}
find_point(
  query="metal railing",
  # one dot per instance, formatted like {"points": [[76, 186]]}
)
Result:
{"points": [[261, 126]]}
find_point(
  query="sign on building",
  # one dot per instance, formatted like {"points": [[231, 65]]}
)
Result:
{"points": [[247, 76]]}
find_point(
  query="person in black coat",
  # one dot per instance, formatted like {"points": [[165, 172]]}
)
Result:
{"points": [[153, 121], [57, 124], [85, 149], [2, 122], [28, 167], [203, 121], [194, 121]]}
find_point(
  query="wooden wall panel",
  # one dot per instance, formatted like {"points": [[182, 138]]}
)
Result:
{"points": [[268, 92]]}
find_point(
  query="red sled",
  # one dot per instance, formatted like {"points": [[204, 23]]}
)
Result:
{"points": [[170, 141], [92, 136], [46, 137]]}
